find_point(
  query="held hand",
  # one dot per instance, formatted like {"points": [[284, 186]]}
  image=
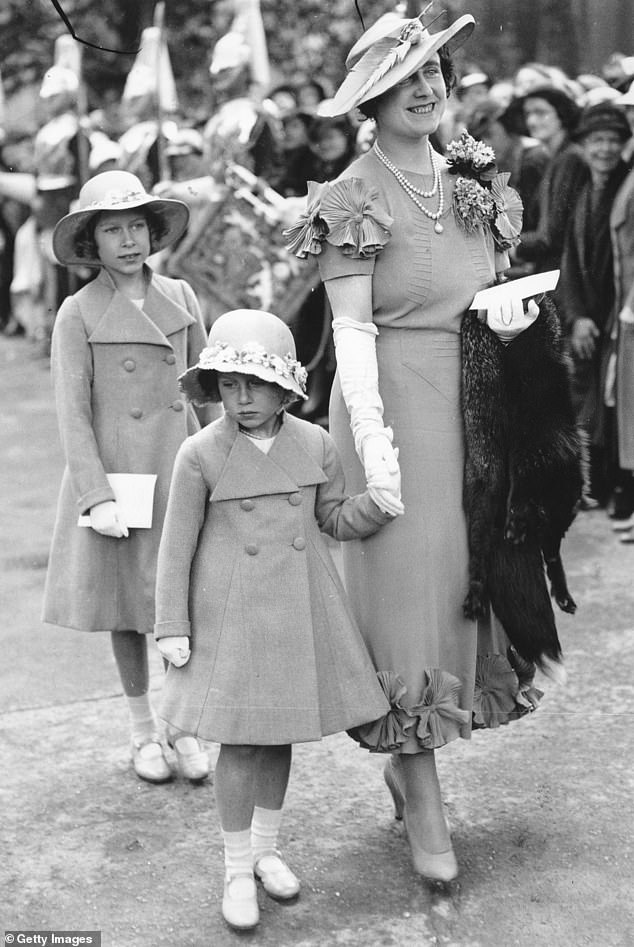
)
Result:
{"points": [[383, 474], [583, 340], [106, 518], [175, 650]]}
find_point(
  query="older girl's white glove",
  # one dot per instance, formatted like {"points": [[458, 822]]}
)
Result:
{"points": [[106, 518], [355, 345], [175, 649]]}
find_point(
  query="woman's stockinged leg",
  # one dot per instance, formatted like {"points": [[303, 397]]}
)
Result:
{"points": [[427, 830]]}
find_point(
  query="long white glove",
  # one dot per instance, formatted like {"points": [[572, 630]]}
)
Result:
{"points": [[355, 345], [175, 649], [106, 518]]}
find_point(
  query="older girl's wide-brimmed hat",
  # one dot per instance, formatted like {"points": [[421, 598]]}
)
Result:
{"points": [[112, 191], [389, 52], [250, 342]]}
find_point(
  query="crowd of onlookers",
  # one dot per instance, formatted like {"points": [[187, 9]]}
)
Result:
{"points": [[568, 145]]}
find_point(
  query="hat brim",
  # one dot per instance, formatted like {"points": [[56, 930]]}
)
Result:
{"points": [[175, 214], [352, 91], [189, 381]]}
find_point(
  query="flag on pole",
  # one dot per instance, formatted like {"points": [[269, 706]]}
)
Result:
{"points": [[151, 72]]}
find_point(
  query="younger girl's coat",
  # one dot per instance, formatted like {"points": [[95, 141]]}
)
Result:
{"points": [[115, 370], [276, 656]]}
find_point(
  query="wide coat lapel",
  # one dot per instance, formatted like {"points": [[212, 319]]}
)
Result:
{"points": [[249, 472], [118, 319]]}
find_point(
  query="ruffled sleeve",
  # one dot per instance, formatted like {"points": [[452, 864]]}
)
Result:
{"points": [[346, 216]]}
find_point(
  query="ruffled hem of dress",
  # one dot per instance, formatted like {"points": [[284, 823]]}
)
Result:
{"points": [[434, 720], [346, 214], [503, 691]]}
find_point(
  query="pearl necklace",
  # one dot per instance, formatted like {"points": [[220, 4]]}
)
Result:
{"points": [[412, 191]]}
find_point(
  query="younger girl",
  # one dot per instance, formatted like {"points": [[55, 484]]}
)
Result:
{"points": [[118, 347], [250, 608]]}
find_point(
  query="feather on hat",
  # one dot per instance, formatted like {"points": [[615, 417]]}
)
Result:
{"points": [[388, 53]]}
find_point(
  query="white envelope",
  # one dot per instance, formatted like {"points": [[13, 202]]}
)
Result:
{"points": [[495, 296], [135, 495]]}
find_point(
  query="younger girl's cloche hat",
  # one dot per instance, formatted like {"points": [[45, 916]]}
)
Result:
{"points": [[251, 342], [111, 191], [389, 52]]}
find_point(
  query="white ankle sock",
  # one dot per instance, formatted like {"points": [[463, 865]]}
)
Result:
{"points": [[238, 854], [265, 828], [142, 720]]}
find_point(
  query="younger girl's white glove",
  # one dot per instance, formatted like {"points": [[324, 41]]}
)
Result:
{"points": [[175, 649], [355, 346], [106, 518]]}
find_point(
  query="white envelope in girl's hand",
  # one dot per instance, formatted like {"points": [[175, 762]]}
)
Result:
{"points": [[504, 303], [135, 495]]}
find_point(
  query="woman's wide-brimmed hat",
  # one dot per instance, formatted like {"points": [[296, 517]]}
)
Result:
{"points": [[112, 191], [389, 52], [251, 342], [560, 99]]}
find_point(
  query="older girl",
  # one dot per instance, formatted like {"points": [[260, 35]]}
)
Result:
{"points": [[118, 347]]}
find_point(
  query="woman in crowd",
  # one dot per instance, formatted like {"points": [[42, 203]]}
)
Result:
{"points": [[549, 114], [620, 386], [397, 321], [587, 286]]}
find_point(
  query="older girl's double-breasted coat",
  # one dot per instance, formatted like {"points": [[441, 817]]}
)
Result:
{"points": [[115, 370], [244, 570]]}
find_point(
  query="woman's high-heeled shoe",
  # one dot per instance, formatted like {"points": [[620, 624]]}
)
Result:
{"points": [[391, 781], [434, 866]]}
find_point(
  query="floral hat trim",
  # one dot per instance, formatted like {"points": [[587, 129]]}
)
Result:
{"points": [[252, 359], [346, 214], [482, 196]]}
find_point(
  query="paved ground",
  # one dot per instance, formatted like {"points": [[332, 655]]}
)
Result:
{"points": [[541, 811]]}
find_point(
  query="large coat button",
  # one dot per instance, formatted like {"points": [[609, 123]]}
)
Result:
{"points": [[247, 505], [251, 549], [170, 359], [129, 365], [136, 413], [295, 499], [299, 543], [178, 406]]}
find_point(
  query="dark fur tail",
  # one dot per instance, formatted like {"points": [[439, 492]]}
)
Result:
{"points": [[520, 599]]}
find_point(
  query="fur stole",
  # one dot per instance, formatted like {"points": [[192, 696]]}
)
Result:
{"points": [[522, 479]]}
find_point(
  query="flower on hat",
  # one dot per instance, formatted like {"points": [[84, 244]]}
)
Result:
{"points": [[224, 357]]}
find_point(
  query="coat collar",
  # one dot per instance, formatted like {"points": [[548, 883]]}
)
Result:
{"points": [[249, 472], [118, 319]]}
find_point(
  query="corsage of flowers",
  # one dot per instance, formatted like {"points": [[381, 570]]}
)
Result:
{"points": [[482, 196]]}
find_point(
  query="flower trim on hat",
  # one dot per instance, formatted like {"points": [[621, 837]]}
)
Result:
{"points": [[347, 215], [221, 357], [482, 196], [119, 197]]}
